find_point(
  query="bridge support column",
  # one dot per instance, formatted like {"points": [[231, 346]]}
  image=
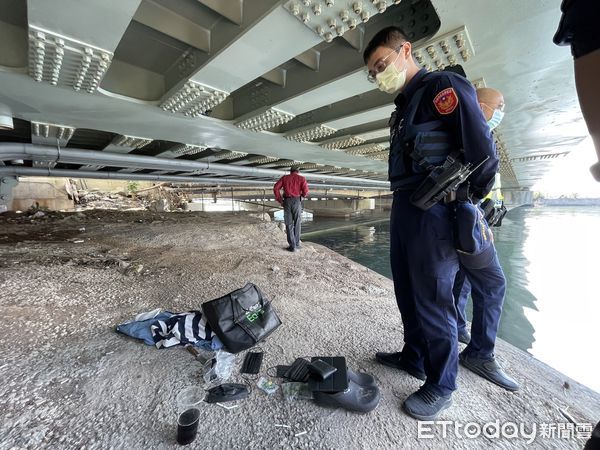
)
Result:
{"points": [[6, 192], [517, 197]]}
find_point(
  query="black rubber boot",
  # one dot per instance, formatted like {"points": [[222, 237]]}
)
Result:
{"points": [[356, 398], [361, 378]]}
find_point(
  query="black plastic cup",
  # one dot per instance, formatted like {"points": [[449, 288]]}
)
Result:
{"points": [[189, 402], [187, 426]]}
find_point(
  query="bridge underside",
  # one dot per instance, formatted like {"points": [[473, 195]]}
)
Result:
{"points": [[267, 83]]}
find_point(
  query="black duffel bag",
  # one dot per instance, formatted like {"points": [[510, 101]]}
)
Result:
{"points": [[241, 318]]}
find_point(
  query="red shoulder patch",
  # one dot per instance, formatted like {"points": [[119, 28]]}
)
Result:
{"points": [[446, 101]]}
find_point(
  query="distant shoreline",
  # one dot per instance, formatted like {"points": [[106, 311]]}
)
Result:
{"points": [[568, 202]]}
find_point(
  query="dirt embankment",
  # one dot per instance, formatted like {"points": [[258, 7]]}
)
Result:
{"points": [[70, 381]]}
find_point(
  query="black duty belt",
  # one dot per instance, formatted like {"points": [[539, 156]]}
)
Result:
{"points": [[449, 198]]}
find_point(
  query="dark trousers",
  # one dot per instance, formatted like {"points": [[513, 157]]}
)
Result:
{"points": [[292, 215], [488, 287], [461, 290], [424, 265]]}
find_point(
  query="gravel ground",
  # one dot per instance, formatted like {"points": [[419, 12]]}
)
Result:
{"points": [[70, 381]]}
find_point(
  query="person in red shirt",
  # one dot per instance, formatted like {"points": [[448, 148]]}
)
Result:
{"points": [[294, 189]]}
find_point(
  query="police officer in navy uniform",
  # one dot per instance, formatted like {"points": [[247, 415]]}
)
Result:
{"points": [[491, 102], [437, 115]]}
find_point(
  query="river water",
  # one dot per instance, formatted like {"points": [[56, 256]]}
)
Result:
{"points": [[551, 259]]}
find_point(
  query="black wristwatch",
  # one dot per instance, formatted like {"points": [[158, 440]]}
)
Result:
{"points": [[595, 169]]}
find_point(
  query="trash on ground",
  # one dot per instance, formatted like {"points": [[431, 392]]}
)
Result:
{"points": [[267, 386], [296, 391], [219, 369], [227, 392], [227, 407]]}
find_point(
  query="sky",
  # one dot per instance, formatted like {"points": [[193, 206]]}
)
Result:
{"points": [[571, 174]]}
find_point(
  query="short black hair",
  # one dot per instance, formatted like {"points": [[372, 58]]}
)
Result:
{"points": [[294, 169], [392, 37]]}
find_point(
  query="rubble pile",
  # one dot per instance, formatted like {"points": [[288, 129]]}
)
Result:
{"points": [[120, 200]]}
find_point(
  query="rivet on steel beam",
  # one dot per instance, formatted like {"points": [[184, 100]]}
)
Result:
{"points": [[445, 47]]}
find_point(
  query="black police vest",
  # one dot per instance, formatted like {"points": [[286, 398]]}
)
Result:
{"points": [[415, 149]]}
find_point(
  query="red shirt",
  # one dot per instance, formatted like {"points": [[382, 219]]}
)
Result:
{"points": [[294, 185]]}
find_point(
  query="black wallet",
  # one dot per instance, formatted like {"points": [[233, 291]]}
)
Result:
{"points": [[337, 381], [320, 370]]}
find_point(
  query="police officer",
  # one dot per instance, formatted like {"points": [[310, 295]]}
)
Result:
{"points": [[491, 102], [484, 280], [436, 115]]}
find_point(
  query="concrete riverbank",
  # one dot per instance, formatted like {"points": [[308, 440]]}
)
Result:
{"points": [[70, 381]]}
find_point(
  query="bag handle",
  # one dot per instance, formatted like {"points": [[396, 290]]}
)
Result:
{"points": [[260, 297]]}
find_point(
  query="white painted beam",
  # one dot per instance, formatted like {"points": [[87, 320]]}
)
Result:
{"points": [[247, 57], [172, 24], [99, 23]]}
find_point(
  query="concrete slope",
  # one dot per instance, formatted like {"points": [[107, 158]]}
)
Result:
{"points": [[69, 380]]}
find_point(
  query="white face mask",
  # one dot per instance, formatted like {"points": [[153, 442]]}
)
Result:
{"points": [[497, 117], [391, 80]]}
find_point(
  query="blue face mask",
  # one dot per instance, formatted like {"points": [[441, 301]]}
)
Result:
{"points": [[496, 119]]}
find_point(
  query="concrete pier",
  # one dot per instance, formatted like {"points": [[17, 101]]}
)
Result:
{"points": [[70, 381]]}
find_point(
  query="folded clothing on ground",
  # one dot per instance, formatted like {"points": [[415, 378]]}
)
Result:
{"points": [[166, 329]]}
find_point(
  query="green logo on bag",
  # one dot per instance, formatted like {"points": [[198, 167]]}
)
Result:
{"points": [[252, 316]]}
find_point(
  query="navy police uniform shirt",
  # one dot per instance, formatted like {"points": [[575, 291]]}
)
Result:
{"points": [[452, 99]]}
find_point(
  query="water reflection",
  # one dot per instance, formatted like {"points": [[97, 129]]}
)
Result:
{"points": [[550, 258], [562, 246], [510, 238]]}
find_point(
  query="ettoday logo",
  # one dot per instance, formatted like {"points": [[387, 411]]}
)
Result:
{"points": [[504, 430]]}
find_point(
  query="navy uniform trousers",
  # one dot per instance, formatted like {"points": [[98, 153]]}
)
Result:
{"points": [[488, 286], [424, 265], [462, 289]]}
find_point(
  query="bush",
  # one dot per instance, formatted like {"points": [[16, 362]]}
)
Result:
{"points": [[132, 187]]}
